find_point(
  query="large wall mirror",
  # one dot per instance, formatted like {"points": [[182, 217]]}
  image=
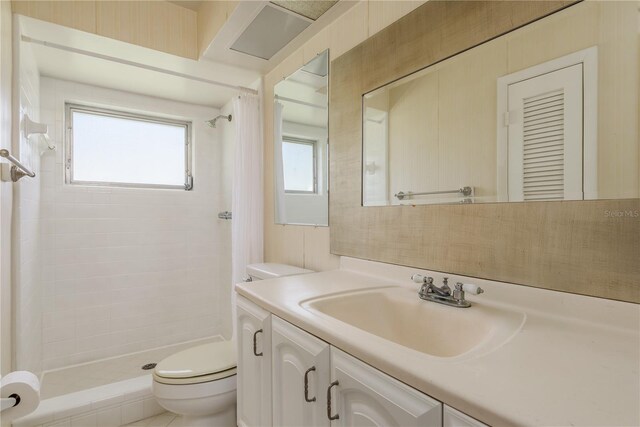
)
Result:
{"points": [[300, 145], [441, 129], [546, 112]]}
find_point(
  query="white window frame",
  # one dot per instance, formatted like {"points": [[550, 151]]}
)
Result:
{"points": [[314, 145], [72, 107], [589, 60]]}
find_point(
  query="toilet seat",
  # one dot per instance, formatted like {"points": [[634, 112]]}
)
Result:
{"points": [[186, 391], [201, 364]]}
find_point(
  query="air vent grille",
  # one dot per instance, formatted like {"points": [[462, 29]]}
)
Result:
{"points": [[270, 31]]}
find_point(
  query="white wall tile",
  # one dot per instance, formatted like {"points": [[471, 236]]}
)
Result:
{"points": [[109, 417], [132, 412], [150, 408], [89, 420], [63, 423], [27, 217], [127, 269]]}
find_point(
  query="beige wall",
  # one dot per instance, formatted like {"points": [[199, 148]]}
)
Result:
{"points": [[158, 25], [212, 15], [5, 191], [308, 246]]}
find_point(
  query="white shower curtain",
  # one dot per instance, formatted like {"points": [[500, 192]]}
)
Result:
{"points": [[281, 214], [247, 193]]}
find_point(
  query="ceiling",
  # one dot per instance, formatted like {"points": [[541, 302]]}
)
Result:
{"points": [[101, 61], [193, 5], [69, 54]]}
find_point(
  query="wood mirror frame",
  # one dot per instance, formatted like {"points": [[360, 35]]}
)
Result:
{"points": [[583, 247]]}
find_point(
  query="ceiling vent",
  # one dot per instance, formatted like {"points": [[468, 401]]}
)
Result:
{"points": [[277, 24], [271, 30], [312, 9]]}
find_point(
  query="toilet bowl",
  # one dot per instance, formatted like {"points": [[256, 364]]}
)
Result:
{"points": [[200, 383]]}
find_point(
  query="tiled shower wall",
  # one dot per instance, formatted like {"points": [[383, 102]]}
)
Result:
{"points": [[26, 223], [126, 270]]}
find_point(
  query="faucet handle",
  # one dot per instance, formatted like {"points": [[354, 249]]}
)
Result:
{"points": [[419, 278], [469, 287]]}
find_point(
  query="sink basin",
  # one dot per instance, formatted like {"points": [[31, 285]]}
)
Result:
{"points": [[396, 314]]}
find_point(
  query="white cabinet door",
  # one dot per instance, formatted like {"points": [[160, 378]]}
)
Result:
{"points": [[254, 365], [545, 147], [363, 396], [300, 376], [454, 418]]}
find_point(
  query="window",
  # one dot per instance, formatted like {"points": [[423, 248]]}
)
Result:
{"points": [[299, 164], [121, 149]]}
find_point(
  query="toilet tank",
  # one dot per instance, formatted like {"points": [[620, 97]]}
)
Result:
{"points": [[270, 270]]}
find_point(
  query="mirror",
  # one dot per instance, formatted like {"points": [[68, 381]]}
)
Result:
{"points": [[546, 112], [301, 125]]}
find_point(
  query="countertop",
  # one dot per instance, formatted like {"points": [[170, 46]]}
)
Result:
{"points": [[575, 360]]}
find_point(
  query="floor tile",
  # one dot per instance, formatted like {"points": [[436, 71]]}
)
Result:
{"points": [[163, 420]]}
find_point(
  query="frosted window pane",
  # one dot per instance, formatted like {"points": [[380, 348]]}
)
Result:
{"points": [[121, 150], [297, 159]]}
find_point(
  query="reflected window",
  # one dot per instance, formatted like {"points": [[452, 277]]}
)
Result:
{"points": [[113, 148], [299, 165]]}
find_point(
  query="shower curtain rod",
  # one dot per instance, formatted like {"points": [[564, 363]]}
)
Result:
{"points": [[295, 101], [135, 64]]}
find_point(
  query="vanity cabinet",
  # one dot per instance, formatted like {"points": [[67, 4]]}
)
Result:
{"points": [[307, 372], [300, 376], [254, 364], [454, 418], [288, 377], [362, 395]]}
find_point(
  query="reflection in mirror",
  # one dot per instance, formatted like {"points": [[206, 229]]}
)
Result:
{"points": [[300, 145], [546, 112]]}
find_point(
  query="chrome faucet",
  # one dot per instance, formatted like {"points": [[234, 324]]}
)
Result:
{"points": [[443, 294]]}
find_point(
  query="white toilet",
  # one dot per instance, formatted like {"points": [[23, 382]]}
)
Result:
{"points": [[200, 383]]}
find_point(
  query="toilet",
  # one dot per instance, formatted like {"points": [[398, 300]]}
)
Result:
{"points": [[200, 383]]}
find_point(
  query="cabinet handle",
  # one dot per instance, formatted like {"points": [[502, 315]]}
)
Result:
{"points": [[336, 416], [255, 343], [306, 385]]}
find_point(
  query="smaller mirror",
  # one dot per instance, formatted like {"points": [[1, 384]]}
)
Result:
{"points": [[300, 113]]}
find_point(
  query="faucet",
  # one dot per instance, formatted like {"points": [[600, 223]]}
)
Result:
{"points": [[443, 294]]}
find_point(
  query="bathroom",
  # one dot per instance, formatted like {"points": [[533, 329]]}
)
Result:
{"points": [[335, 224]]}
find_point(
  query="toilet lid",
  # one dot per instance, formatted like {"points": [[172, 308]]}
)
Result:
{"points": [[198, 361]]}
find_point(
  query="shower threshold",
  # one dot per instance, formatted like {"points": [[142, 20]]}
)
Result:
{"points": [[108, 392]]}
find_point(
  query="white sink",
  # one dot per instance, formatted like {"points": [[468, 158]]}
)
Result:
{"points": [[396, 314]]}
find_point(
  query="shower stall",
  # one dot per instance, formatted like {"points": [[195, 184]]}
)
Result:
{"points": [[109, 279]]}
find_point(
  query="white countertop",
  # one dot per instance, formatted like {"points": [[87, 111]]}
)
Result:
{"points": [[574, 361]]}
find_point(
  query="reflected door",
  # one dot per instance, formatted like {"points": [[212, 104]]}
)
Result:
{"points": [[545, 146]]}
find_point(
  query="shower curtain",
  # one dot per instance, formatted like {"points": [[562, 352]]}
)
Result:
{"points": [[281, 214], [247, 193]]}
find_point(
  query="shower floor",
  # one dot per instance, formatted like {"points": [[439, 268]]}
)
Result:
{"points": [[95, 374]]}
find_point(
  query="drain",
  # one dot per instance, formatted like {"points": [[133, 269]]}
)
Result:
{"points": [[149, 366]]}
